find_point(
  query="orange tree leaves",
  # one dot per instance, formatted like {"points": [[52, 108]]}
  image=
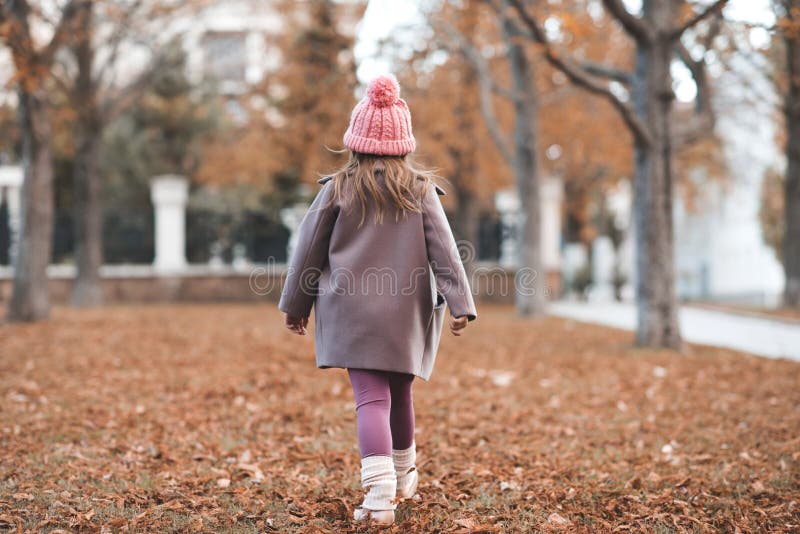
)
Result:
{"points": [[297, 112]]}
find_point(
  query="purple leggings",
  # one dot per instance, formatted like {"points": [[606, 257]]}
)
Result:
{"points": [[385, 410]]}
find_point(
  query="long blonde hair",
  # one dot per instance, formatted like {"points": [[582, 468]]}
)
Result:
{"points": [[404, 184]]}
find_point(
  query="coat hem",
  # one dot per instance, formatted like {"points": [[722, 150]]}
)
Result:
{"points": [[426, 378]]}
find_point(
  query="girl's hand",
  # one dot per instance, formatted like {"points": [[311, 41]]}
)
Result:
{"points": [[457, 324], [296, 325]]}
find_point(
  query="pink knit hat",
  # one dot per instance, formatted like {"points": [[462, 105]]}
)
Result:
{"points": [[381, 123]]}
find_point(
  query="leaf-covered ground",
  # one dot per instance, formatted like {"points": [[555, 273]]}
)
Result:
{"points": [[212, 418]]}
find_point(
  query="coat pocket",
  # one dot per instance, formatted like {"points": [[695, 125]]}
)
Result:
{"points": [[433, 335]]}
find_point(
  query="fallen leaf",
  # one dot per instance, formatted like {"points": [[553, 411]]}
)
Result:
{"points": [[253, 470], [557, 519]]}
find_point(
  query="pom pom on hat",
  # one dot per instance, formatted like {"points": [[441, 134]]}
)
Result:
{"points": [[384, 91], [381, 122]]}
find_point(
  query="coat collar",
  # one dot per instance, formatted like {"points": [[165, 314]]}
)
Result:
{"points": [[325, 179]]}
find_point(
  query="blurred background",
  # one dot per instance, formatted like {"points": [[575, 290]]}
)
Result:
{"points": [[629, 163], [628, 156]]}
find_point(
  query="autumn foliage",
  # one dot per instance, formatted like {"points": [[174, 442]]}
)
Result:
{"points": [[296, 117], [214, 419]]}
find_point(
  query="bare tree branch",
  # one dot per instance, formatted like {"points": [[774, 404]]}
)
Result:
{"points": [[487, 106], [481, 66], [581, 77], [119, 36], [62, 30], [499, 90], [764, 68], [17, 32], [604, 71], [699, 75], [552, 97], [701, 122], [714, 30], [713, 9], [112, 106], [633, 25], [63, 82]]}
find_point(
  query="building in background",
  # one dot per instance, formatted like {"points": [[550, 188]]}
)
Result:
{"points": [[233, 43], [720, 251], [236, 43], [720, 248]]}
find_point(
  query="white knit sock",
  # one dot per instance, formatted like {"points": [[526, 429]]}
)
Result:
{"points": [[405, 469], [404, 460], [379, 479]]}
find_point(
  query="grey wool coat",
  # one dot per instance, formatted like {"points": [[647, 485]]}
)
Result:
{"points": [[379, 289]]}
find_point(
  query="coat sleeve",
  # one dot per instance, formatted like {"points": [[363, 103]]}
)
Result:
{"points": [[445, 261], [309, 256]]}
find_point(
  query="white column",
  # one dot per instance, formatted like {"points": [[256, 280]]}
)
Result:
{"points": [[508, 207], [575, 260], [551, 194], [619, 202], [11, 177], [169, 193], [507, 204], [602, 269], [291, 218]]}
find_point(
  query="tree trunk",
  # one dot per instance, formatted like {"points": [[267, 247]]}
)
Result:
{"points": [[87, 217], [791, 238], [30, 295], [466, 167], [657, 307], [87, 209], [466, 225], [530, 278]]}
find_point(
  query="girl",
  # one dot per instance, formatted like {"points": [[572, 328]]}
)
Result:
{"points": [[372, 251]]}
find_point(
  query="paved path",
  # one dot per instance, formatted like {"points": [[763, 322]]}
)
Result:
{"points": [[762, 336]]}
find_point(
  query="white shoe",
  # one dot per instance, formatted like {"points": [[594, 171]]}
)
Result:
{"points": [[407, 484], [379, 479], [380, 517], [406, 471]]}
